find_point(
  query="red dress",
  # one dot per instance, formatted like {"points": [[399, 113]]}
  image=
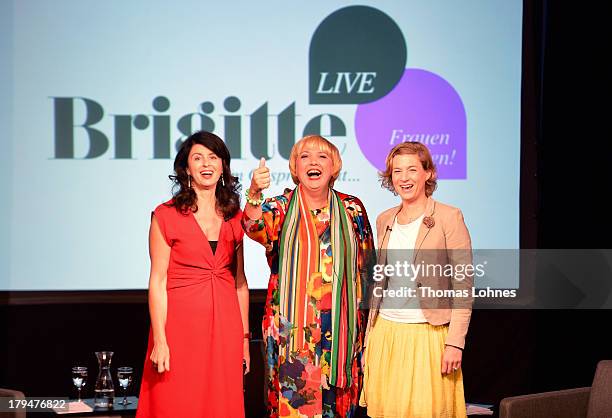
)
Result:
{"points": [[203, 325]]}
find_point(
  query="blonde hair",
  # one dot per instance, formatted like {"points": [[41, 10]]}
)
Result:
{"points": [[315, 141], [424, 155]]}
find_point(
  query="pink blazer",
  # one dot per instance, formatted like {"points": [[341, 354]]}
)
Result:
{"points": [[445, 241]]}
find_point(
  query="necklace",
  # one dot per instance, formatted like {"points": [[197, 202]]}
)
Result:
{"points": [[411, 219]]}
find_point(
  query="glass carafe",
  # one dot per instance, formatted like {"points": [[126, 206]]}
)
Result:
{"points": [[104, 389]]}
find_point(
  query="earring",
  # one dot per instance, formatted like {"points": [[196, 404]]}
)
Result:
{"points": [[189, 177], [222, 181]]}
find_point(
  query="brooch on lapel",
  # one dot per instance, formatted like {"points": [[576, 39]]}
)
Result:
{"points": [[429, 222]]}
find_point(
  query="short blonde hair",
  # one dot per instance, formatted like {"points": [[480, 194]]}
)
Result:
{"points": [[424, 155], [315, 141]]}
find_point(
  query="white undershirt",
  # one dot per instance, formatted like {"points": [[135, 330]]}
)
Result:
{"points": [[402, 242]]}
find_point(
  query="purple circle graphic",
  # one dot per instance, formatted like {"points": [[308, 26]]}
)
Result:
{"points": [[422, 107]]}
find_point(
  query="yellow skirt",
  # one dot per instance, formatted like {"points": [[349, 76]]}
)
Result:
{"points": [[402, 375]]}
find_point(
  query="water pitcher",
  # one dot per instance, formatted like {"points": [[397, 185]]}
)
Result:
{"points": [[104, 389]]}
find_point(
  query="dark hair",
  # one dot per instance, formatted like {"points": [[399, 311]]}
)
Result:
{"points": [[227, 195]]}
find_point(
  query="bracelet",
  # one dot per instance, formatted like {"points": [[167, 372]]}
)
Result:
{"points": [[454, 346], [252, 201], [247, 336]]}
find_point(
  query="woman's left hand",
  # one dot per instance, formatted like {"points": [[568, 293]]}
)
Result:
{"points": [[246, 356], [451, 359]]}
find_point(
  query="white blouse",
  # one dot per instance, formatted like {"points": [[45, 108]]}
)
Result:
{"points": [[402, 306]]}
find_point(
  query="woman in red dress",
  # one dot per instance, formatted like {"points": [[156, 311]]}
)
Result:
{"points": [[198, 294]]}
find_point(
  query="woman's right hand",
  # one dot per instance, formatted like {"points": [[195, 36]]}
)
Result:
{"points": [[260, 179], [160, 356]]}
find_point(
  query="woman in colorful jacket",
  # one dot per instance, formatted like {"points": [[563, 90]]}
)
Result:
{"points": [[317, 242]]}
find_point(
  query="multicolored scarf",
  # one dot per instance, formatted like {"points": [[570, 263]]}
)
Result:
{"points": [[298, 260]]}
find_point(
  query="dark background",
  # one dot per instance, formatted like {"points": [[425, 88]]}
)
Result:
{"points": [[564, 183]]}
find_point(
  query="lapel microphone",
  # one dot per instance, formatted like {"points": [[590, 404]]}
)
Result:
{"points": [[388, 229]]}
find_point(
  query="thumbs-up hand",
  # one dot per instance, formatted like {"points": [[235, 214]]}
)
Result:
{"points": [[261, 178]]}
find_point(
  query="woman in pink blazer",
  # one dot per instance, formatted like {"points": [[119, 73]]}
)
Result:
{"points": [[420, 303]]}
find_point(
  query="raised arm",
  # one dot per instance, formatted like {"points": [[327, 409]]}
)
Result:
{"points": [[259, 182], [262, 220]]}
